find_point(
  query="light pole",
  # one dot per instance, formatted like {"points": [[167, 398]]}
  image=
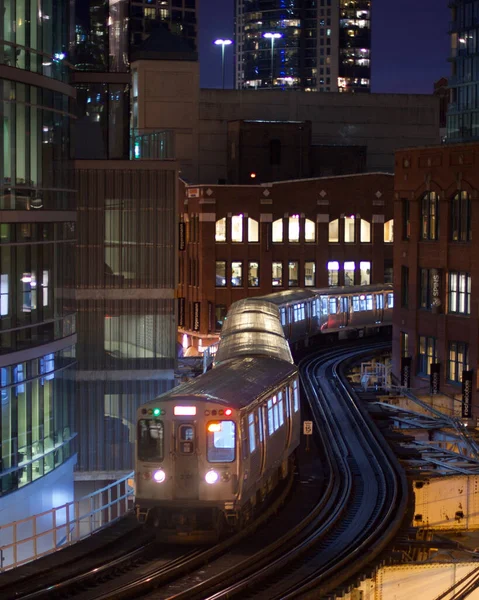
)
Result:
{"points": [[223, 43], [272, 37]]}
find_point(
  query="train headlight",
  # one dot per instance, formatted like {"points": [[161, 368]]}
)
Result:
{"points": [[159, 476], [211, 477]]}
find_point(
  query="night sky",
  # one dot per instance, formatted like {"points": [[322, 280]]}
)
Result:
{"points": [[410, 44]]}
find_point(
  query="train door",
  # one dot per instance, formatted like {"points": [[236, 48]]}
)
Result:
{"points": [[344, 311], [186, 461], [379, 307]]}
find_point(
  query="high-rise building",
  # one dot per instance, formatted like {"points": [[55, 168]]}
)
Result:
{"points": [[463, 111], [312, 45], [37, 238]]}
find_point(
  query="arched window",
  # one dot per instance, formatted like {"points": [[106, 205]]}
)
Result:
{"points": [[220, 232], [293, 228], [365, 232], [253, 230], [389, 231], [349, 232], [334, 231], [278, 230], [461, 217], [429, 216], [237, 228], [309, 231]]}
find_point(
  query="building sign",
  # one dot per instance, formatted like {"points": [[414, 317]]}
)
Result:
{"points": [[435, 378], [406, 371], [181, 312], [467, 394], [182, 236], [196, 315], [193, 192], [436, 288]]}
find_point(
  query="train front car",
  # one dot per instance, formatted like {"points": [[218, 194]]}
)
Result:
{"points": [[209, 451]]}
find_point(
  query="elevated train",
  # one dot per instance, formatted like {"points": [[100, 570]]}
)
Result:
{"points": [[210, 451]]}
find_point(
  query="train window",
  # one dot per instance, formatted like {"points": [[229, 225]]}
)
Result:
{"points": [[280, 408], [186, 439], [151, 440], [369, 302], [379, 301], [344, 304], [356, 304], [275, 413], [260, 425], [333, 306], [270, 417], [221, 444], [390, 300], [299, 312], [295, 395], [282, 312], [324, 305], [251, 432]]}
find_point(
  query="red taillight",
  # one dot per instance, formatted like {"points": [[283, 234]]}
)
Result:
{"points": [[228, 412]]}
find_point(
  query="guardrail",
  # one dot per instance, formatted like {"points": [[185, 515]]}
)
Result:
{"points": [[39, 535]]}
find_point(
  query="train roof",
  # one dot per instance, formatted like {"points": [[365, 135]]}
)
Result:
{"points": [[234, 384], [288, 296], [354, 289], [300, 295]]}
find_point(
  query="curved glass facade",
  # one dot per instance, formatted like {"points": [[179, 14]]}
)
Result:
{"points": [[37, 240]]}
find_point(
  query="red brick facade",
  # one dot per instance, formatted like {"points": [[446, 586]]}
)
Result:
{"points": [[436, 266], [214, 274]]}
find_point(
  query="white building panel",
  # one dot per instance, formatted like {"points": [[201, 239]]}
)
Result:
{"points": [[447, 503], [421, 582]]}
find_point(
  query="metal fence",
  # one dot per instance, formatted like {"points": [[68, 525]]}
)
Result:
{"points": [[38, 535]]}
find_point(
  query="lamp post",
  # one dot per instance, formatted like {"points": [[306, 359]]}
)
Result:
{"points": [[223, 43], [272, 37]]}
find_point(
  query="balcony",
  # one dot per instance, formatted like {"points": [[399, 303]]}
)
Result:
{"points": [[152, 145]]}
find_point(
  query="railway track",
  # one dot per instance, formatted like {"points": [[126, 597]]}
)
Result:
{"points": [[354, 520]]}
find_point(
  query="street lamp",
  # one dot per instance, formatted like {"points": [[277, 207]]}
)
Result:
{"points": [[272, 37], [223, 43]]}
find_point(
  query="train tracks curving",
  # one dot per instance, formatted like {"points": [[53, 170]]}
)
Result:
{"points": [[349, 527]]}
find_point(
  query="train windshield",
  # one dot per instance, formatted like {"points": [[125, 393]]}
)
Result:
{"points": [[221, 441], [151, 440]]}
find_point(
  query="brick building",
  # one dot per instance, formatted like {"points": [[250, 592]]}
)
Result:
{"points": [[241, 241], [436, 273]]}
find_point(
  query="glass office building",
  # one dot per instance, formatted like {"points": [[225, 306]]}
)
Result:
{"points": [[37, 238], [463, 111], [321, 45]]}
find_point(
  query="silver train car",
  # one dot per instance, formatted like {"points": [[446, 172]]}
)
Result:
{"points": [[209, 452]]}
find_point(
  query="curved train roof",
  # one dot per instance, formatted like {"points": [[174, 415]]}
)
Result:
{"points": [[253, 328], [235, 384], [300, 295], [288, 296]]}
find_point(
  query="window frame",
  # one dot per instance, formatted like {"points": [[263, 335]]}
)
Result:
{"points": [[461, 216], [430, 217], [465, 363], [456, 294]]}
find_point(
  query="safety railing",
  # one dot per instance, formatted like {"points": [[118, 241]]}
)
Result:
{"points": [[38, 535]]}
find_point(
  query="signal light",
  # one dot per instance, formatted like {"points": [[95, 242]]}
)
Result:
{"points": [[228, 412], [156, 412]]}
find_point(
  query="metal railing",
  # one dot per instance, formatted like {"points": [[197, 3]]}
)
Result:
{"points": [[38, 535]]}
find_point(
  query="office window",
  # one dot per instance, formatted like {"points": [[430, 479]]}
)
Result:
{"points": [[459, 293], [309, 273], [334, 231], [458, 361], [253, 230], [430, 216], [333, 273], [404, 286], [3, 295], [461, 217], [365, 272], [309, 231], [220, 232], [349, 268], [237, 228], [275, 152], [404, 341], [278, 230], [253, 273], [426, 354], [389, 232], [293, 228], [277, 274], [220, 316], [349, 231], [237, 274], [220, 273], [406, 223], [365, 232], [293, 273]]}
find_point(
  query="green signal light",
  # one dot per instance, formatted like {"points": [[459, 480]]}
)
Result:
{"points": [[156, 412]]}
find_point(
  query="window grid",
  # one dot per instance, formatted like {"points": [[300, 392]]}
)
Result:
{"points": [[426, 354], [459, 293], [457, 361], [430, 216], [461, 218]]}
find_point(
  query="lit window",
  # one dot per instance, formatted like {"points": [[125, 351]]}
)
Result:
{"points": [[45, 288], [461, 218], [237, 228], [293, 229], [389, 231], [277, 274], [278, 230], [253, 230], [220, 233], [309, 273], [458, 361], [293, 273], [309, 231], [427, 354], [237, 274], [251, 432], [430, 216], [334, 231], [365, 272], [253, 274], [365, 232], [220, 273], [349, 223], [459, 293], [333, 273], [3, 295], [349, 267]]}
